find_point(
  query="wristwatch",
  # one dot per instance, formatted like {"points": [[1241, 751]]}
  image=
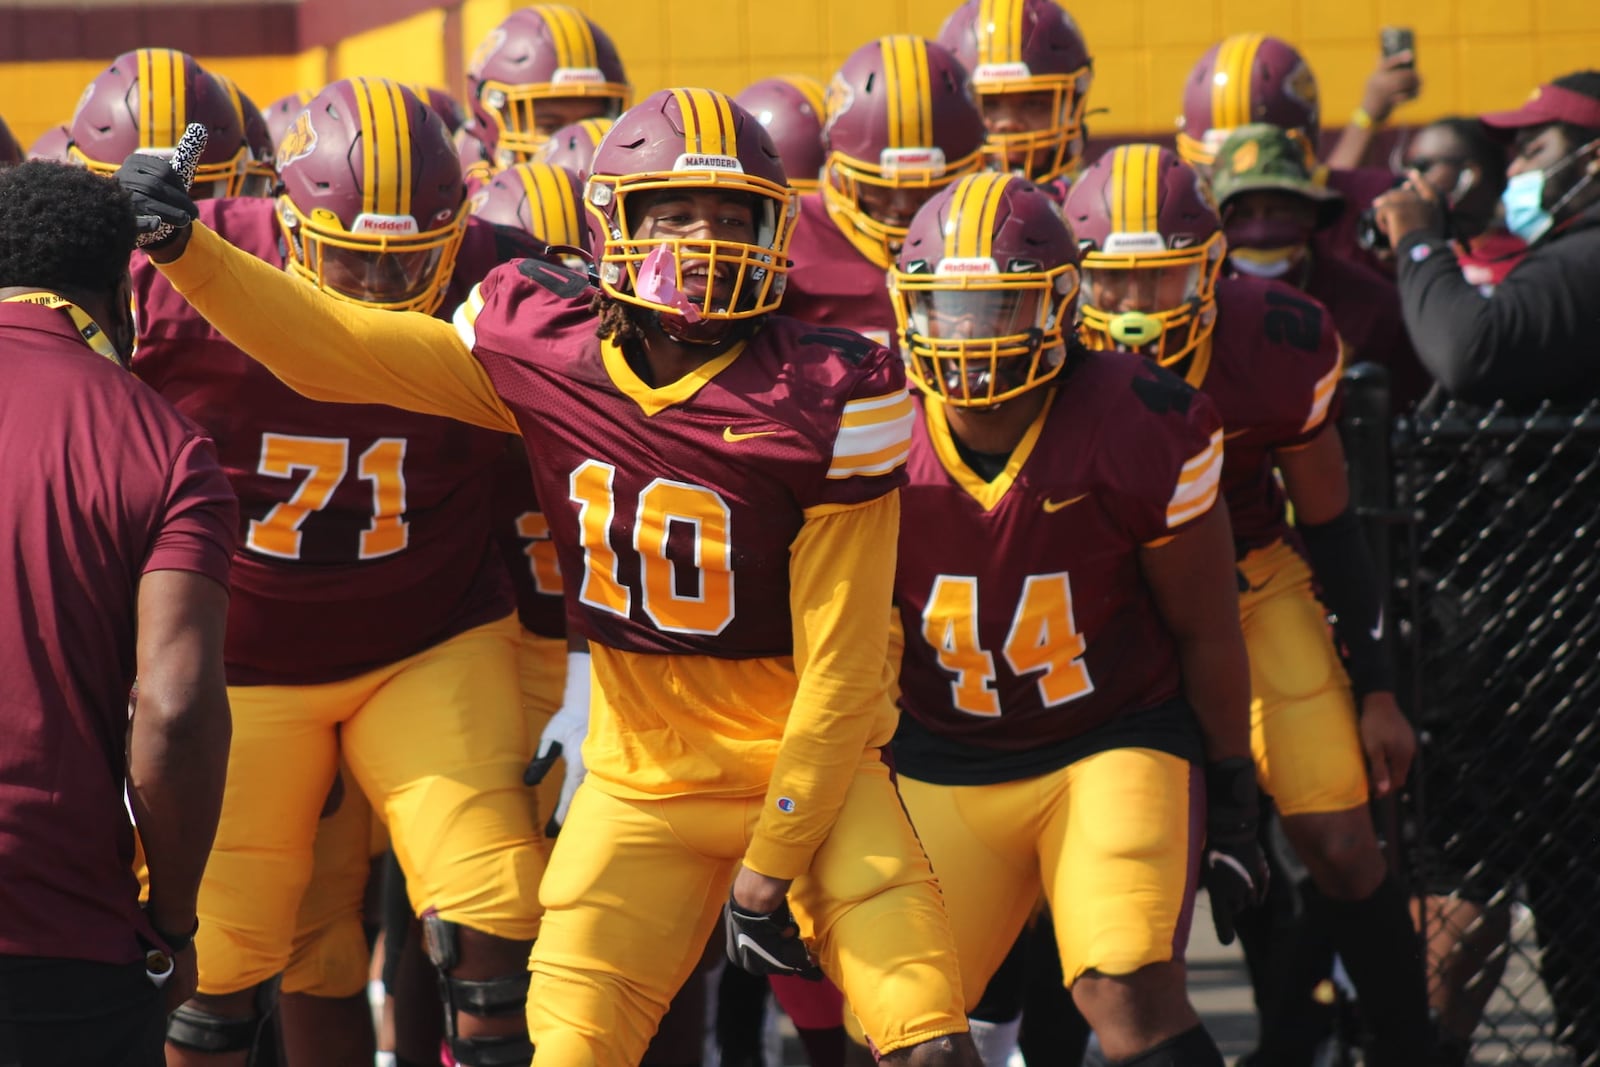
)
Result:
{"points": [[175, 943]]}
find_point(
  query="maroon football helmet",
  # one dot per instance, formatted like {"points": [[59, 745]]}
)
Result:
{"points": [[447, 107], [541, 54], [1152, 247], [540, 199], [791, 107], [143, 102], [282, 114], [1248, 77], [985, 290], [902, 124], [573, 146], [10, 150], [694, 140], [373, 209], [53, 145], [260, 178], [1032, 73]]}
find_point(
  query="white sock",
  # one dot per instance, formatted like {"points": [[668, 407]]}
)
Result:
{"points": [[996, 1041]]}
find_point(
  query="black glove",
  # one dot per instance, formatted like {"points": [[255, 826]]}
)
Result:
{"points": [[768, 944], [1234, 871], [160, 198]]}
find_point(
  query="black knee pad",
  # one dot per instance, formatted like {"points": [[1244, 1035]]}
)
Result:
{"points": [[491, 998], [201, 1031]]}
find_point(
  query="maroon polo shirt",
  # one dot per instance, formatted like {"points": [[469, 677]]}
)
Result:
{"points": [[103, 482]]}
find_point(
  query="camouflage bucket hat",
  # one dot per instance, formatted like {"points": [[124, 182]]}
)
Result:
{"points": [[1259, 157]]}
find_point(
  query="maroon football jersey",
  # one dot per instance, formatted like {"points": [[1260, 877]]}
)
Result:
{"points": [[1366, 308], [1359, 186], [1027, 619], [1272, 368], [364, 531], [682, 534], [522, 534], [831, 282]]}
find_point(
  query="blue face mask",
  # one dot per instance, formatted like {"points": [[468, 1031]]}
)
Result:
{"points": [[1524, 204], [1524, 199]]}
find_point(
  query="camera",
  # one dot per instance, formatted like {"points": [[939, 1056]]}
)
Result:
{"points": [[1370, 238]]}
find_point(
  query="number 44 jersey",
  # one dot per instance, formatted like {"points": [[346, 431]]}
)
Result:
{"points": [[364, 530], [1028, 624]]}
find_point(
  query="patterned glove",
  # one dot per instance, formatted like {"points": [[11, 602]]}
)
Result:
{"points": [[563, 739], [160, 187], [768, 944], [1234, 871]]}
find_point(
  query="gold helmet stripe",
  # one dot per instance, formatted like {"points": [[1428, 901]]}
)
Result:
{"points": [[1230, 82], [973, 208], [919, 49], [570, 32], [888, 53], [163, 97], [1000, 31], [1119, 167], [385, 147], [558, 214], [531, 175], [596, 129]]}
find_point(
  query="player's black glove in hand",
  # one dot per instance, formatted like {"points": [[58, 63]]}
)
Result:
{"points": [[768, 944], [1233, 870], [159, 197]]}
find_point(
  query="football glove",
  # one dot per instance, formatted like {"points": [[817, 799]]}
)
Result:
{"points": [[1234, 871], [563, 739], [159, 188], [769, 943]]}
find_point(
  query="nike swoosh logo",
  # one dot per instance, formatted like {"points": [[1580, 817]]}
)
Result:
{"points": [[734, 438], [1236, 433], [1053, 506], [1377, 627], [745, 941]]}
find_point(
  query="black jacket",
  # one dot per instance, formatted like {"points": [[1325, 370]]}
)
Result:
{"points": [[1536, 338]]}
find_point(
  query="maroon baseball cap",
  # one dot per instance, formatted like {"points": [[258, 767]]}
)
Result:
{"points": [[1573, 99]]}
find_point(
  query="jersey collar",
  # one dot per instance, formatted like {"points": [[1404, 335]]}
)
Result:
{"points": [[987, 494], [653, 401]]}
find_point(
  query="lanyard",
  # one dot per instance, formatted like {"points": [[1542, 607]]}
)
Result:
{"points": [[92, 334]]}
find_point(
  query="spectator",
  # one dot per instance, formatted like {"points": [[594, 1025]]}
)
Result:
{"points": [[117, 528], [1533, 338], [1272, 208], [1465, 166]]}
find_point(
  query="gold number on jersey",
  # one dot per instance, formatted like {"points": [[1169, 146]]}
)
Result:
{"points": [[1043, 637], [950, 626], [325, 460], [383, 464], [661, 504], [543, 562]]}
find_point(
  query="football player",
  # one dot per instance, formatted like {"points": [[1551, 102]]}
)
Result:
{"points": [[370, 615], [1270, 358], [902, 124], [1251, 77], [52, 144], [544, 67], [261, 179], [728, 483], [792, 108], [143, 102], [573, 146], [282, 113], [1272, 208], [1032, 72], [1074, 684]]}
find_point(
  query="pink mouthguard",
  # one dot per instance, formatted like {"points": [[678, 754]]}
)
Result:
{"points": [[658, 283]]}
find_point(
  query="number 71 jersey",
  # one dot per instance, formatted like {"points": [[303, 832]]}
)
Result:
{"points": [[1027, 619]]}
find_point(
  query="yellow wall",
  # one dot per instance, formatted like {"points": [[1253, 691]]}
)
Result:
{"points": [[1474, 55]]}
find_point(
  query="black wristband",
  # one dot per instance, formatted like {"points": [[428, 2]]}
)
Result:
{"points": [[175, 943], [1348, 583]]}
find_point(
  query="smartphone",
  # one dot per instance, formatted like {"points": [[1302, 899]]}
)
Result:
{"points": [[1397, 39]]}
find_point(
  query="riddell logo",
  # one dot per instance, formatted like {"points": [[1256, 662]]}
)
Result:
{"points": [[1135, 242], [578, 76], [999, 72], [392, 225], [973, 265], [893, 160], [689, 161]]}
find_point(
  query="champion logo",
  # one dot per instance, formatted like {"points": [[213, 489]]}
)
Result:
{"points": [[785, 805], [397, 225]]}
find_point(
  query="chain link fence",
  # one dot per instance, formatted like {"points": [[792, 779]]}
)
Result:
{"points": [[1487, 521]]}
